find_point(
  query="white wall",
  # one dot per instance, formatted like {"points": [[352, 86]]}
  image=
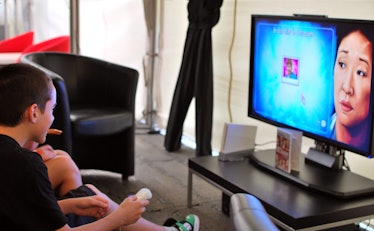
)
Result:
{"points": [[50, 18], [115, 30]]}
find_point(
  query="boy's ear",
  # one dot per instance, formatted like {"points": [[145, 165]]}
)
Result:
{"points": [[32, 113]]}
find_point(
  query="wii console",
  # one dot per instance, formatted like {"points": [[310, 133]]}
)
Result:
{"points": [[238, 141]]}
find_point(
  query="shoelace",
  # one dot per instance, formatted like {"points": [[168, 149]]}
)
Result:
{"points": [[188, 226]]}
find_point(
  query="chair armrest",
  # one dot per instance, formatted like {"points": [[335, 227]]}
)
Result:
{"points": [[248, 214]]}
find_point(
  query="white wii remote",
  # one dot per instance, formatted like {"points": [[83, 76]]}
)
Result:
{"points": [[144, 194]]}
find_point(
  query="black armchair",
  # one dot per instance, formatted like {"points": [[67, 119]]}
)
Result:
{"points": [[95, 109], [248, 214]]}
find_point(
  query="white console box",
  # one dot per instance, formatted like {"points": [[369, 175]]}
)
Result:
{"points": [[238, 141]]}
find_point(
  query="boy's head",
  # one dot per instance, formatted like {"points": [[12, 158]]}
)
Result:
{"points": [[22, 85]]}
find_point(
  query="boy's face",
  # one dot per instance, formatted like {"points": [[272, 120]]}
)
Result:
{"points": [[45, 119]]}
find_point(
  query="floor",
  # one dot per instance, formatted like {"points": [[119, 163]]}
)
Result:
{"points": [[165, 174]]}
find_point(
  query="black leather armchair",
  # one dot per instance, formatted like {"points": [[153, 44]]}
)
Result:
{"points": [[248, 214], [95, 109]]}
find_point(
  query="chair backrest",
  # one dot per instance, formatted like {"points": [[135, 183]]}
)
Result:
{"points": [[17, 43], [90, 78]]}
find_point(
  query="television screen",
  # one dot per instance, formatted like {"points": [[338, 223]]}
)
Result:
{"points": [[314, 74]]}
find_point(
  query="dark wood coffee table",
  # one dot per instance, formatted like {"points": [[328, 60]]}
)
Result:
{"points": [[290, 206]]}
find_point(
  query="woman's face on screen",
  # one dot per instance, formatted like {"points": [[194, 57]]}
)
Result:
{"points": [[352, 79]]}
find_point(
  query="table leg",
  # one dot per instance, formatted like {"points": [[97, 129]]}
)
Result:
{"points": [[189, 190]]}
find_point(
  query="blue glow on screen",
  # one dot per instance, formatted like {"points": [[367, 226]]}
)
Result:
{"points": [[304, 101]]}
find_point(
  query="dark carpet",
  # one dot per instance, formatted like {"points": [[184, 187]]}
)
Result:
{"points": [[165, 174]]}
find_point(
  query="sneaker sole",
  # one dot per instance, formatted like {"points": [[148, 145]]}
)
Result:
{"points": [[196, 224]]}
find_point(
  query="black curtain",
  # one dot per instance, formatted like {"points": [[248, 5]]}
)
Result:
{"points": [[195, 78]]}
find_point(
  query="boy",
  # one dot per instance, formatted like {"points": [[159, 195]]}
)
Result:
{"points": [[27, 97]]}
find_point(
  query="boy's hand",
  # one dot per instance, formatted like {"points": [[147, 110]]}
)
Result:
{"points": [[93, 206], [132, 209]]}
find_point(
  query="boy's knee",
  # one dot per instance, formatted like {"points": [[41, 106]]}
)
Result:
{"points": [[91, 186], [62, 153]]}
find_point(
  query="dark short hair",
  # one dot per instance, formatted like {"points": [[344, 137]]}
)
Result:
{"points": [[344, 31], [22, 85]]}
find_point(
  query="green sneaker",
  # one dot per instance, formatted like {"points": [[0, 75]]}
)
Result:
{"points": [[190, 223]]}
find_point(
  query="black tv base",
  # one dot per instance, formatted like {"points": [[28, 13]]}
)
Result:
{"points": [[337, 183]]}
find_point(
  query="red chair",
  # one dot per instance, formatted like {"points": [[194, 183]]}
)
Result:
{"points": [[57, 44], [18, 43]]}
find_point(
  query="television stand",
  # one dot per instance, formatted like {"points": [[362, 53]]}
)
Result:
{"points": [[337, 183]]}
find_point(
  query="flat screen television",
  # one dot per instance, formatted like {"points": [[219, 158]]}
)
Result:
{"points": [[314, 74]]}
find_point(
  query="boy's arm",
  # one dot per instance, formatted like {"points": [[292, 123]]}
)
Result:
{"points": [[93, 206], [128, 212]]}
